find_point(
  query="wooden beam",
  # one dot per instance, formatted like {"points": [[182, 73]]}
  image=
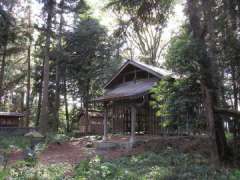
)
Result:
{"points": [[105, 123], [133, 124]]}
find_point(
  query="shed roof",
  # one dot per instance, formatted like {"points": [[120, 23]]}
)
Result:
{"points": [[11, 114], [130, 89]]}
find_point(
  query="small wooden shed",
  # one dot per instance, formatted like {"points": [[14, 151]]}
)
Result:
{"points": [[126, 100], [95, 119], [10, 119]]}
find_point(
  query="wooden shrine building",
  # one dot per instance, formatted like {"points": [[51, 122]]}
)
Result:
{"points": [[10, 119], [126, 100]]}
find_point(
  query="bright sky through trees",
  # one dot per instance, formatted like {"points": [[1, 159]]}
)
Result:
{"points": [[108, 19]]}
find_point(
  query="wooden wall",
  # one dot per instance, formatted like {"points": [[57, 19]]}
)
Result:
{"points": [[10, 121], [119, 118]]}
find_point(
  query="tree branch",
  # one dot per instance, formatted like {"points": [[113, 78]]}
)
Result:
{"points": [[227, 112]]}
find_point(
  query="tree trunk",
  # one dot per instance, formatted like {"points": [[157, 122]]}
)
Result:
{"points": [[22, 97], [208, 82], [39, 100], [86, 104], [29, 71], [210, 14], [59, 49], [3, 64], [235, 102], [38, 108], [66, 103], [44, 124]]}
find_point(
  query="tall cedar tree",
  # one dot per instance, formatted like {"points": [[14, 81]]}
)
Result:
{"points": [[44, 123]]}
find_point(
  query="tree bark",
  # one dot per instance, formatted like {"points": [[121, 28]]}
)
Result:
{"points": [[39, 107], [208, 80], [59, 49], [86, 104], [66, 103], [39, 100], [44, 123], [3, 64], [28, 70]]}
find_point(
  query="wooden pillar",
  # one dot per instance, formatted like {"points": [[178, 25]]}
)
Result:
{"points": [[133, 123], [105, 120]]}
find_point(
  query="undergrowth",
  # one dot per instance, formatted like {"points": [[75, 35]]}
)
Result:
{"points": [[9, 142], [168, 165]]}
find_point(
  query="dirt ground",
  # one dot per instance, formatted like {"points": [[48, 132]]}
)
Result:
{"points": [[74, 151]]}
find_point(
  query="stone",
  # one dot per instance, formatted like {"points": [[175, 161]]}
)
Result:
{"points": [[89, 145]]}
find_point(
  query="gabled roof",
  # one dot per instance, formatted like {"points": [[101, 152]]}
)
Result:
{"points": [[156, 71], [133, 89], [130, 89]]}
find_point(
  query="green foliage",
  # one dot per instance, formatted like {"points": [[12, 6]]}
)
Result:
{"points": [[95, 168], [56, 138], [235, 175], [8, 142], [184, 54], [3, 174], [229, 136], [179, 98], [152, 12], [22, 170], [141, 23], [175, 99], [168, 164], [92, 58]]}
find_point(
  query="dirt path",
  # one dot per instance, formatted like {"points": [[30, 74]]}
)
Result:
{"points": [[71, 152], [74, 151]]}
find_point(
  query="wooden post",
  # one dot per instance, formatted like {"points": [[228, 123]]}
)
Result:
{"points": [[133, 124], [105, 123]]}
